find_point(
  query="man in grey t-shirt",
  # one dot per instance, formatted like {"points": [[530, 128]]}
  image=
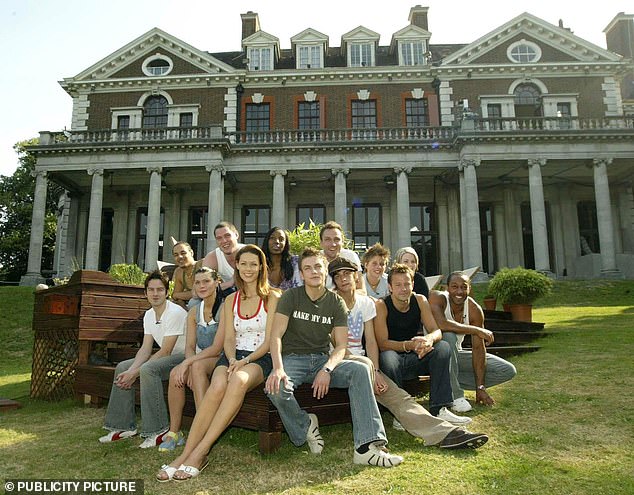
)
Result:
{"points": [[306, 318]]}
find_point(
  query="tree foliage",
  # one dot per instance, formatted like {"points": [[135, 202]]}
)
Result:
{"points": [[17, 193]]}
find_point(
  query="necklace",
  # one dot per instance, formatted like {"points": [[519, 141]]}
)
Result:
{"points": [[453, 314]]}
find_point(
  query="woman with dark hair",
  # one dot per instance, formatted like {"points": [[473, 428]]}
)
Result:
{"points": [[245, 364], [282, 265]]}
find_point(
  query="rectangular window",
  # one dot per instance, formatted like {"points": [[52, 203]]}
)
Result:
{"points": [[123, 122], [416, 113], [487, 236], [563, 115], [306, 213], [413, 53], [366, 226], [308, 117], [364, 118], [494, 112], [588, 227], [258, 120], [424, 236], [309, 57], [260, 59], [198, 230], [256, 222], [186, 119], [142, 235], [360, 55]]}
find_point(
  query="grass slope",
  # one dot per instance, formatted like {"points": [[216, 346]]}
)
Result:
{"points": [[563, 425]]}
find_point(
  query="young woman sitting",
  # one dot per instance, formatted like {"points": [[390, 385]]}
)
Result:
{"points": [[282, 265], [245, 364]]}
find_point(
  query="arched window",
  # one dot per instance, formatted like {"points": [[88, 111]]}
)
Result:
{"points": [[155, 112], [527, 101]]}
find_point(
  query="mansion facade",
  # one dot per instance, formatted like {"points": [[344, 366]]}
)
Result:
{"points": [[515, 149]]}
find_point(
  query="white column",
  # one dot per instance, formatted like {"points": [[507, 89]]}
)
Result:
{"points": [[34, 267], [153, 219], [215, 206], [538, 215], [604, 218], [278, 218], [471, 213], [341, 202], [403, 221], [454, 235], [93, 238], [464, 241]]}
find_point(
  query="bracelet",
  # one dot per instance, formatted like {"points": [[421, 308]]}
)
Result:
{"points": [[405, 348], [247, 359]]}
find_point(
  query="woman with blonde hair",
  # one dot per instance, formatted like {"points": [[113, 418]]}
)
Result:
{"points": [[408, 256], [245, 364]]}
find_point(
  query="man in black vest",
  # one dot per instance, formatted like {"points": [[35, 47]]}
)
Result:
{"points": [[411, 343]]}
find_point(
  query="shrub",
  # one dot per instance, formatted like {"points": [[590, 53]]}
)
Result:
{"points": [[303, 237], [129, 274], [519, 285]]}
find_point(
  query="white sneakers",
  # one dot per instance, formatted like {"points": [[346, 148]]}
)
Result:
{"points": [[461, 405], [452, 418], [153, 441], [396, 424], [113, 436], [377, 456], [313, 437]]}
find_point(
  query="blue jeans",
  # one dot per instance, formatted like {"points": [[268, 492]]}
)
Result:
{"points": [[367, 425], [121, 413], [401, 366], [498, 370]]}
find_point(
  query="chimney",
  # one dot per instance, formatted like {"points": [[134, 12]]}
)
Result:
{"points": [[250, 24], [418, 17], [619, 35]]}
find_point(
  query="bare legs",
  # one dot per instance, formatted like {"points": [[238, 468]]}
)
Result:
{"points": [[219, 406]]}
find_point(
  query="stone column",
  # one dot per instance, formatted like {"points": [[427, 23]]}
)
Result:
{"points": [[453, 227], [471, 213], [538, 215], [216, 204], [33, 274], [464, 241], [341, 202], [403, 221], [604, 218], [153, 219], [278, 218], [93, 238]]}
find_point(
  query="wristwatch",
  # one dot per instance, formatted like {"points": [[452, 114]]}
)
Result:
{"points": [[481, 387], [327, 369]]}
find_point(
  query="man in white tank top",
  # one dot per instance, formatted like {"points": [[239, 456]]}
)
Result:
{"points": [[222, 259], [457, 314]]}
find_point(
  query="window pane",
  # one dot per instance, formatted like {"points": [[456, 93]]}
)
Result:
{"points": [[416, 112], [155, 112], [255, 224]]}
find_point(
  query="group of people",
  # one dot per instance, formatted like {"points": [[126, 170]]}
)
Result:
{"points": [[261, 315]]}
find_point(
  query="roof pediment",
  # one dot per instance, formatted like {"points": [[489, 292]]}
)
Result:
{"points": [[150, 43], [539, 31], [411, 32], [360, 33], [260, 38], [309, 35]]}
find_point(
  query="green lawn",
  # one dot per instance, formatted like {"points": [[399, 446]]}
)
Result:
{"points": [[563, 425]]}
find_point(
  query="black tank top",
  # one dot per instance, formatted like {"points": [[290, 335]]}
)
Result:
{"points": [[403, 326]]}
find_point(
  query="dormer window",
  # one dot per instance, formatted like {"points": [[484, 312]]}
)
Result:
{"points": [[157, 65], [309, 48], [523, 52], [359, 47], [309, 57], [260, 59], [412, 53], [361, 54]]}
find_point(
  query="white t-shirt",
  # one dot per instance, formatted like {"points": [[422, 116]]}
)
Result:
{"points": [[350, 256], [172, 322], [362, 311]]}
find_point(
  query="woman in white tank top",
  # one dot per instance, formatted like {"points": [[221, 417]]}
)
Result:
{"points": [[245, 364]]}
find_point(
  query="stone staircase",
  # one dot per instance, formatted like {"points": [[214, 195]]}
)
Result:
{"points": [[511, 337]]}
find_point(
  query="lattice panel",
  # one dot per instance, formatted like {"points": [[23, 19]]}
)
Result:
{"points": [[55, 356]]}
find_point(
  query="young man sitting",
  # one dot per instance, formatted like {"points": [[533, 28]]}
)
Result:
{"points": [[164, 324]]}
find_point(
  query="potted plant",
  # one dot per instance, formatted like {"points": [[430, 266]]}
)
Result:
{"points": [[489, 302], [519, 288]]}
